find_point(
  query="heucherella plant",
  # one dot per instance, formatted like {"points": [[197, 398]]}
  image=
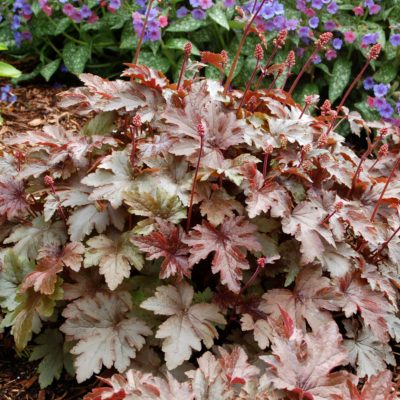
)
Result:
{"points": [[212, 242]]}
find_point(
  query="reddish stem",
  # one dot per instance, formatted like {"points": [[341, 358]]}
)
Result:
{"points": [[265, 164], [303, 110], [185, 58], [303, 69], [386, 243], [135, 60], [133, 150], [274, 80], [249, 84], [392, 172], [189, 218], [366, 154], [346, 95], [239, 50]]}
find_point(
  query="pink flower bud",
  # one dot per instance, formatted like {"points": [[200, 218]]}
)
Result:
{"points": [[374, 51], [188, 49], [338, 206], [323, 40], [48, 181], [137, 121], [261, 262], [258, 52], [200, 130]]}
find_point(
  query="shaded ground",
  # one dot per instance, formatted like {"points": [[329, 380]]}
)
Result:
{"points": [[35, 107]]}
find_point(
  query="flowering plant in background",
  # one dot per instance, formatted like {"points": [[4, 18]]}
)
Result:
{"points": [[98, 36], [211, 241]]}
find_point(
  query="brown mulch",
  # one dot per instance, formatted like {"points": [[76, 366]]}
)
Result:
{"points": [[19, 378], [34, 108]]}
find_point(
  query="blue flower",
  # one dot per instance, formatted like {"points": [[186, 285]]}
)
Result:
{"points": [[368, 83], [313, 22], [304, 31], [199, 14], [370, 38], [337, 43], [380, 90], [395, 40], [386, 111], [181, 12], [317, 4], [332, 8]]}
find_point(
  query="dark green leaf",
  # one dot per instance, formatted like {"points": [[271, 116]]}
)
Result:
{"points": [[340, 78], [48, 70], [187, 24], [219, 16], [75, 57], [101, 124], [179, 43]]}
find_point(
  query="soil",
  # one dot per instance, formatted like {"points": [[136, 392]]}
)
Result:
{"points": [[34, 108]]}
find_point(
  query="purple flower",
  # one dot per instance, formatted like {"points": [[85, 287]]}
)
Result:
{"points": [[199, 14], [229, 3], [301, 5], [267, 11], [154, 35], [291, 24], [395, 40], [370, 38], [86, 12], [374, 9], [317, 4], [205, 4], [114, 5], [313, 22], [337, 43], [316, 59], [398, 107], [16, 22], [332, 8], [330, 25], [278, 8], [194, 3], [304, 31], [368, 83], [279, 22], [379, 102], [386, 111], [380, 90], [181, 12]]}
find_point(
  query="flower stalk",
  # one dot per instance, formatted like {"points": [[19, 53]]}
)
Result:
{"points": [[258, 55], [135, 127], [322, 41], [391, 175], [202, 133], [49, 182], [187, 50], [239, 50], [139, 45]]}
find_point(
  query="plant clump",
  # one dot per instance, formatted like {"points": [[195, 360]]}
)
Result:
{"points": [[212, 242]]}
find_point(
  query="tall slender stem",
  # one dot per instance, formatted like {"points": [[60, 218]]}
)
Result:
{"points": [[253, 74], [135, 60], [189, 218], [305, 66], [239, 50], [392, 172], [385, 244]]}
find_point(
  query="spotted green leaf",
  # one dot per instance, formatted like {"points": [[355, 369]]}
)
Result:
{"points": [[340, 78], [75, 57], [218, 15], [48, 70]]}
